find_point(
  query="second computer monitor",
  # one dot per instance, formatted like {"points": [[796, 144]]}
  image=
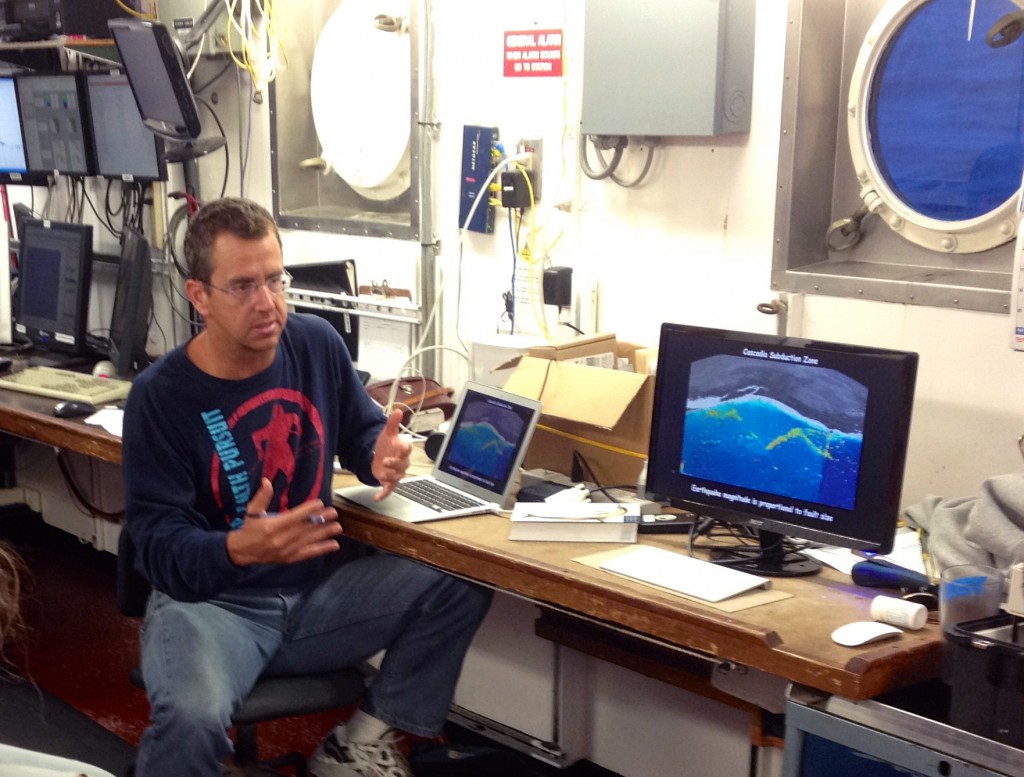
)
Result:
{"points": [[54, 122], [133, 304], [54, 273]]}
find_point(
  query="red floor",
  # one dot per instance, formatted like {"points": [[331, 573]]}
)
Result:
{"points": [[81, 649]]}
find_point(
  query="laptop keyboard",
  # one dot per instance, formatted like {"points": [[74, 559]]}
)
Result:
{"points": [[435, 496]]}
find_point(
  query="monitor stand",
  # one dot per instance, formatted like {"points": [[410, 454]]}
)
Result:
{"points": [[62, 361], [188, 152], [774, 560]]}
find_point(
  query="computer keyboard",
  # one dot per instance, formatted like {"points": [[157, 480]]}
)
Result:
{"points": [[683, 574], [65, 384], [434, 495]]}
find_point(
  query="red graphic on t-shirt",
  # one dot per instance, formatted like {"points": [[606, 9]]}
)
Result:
{"points": [[274, 449], [279, 435]]}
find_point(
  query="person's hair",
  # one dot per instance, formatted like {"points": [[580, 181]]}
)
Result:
{"points": [[239, 217], [11, 623]]}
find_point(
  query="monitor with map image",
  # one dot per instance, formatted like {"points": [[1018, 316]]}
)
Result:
{"points": [[792, 437], [477, 468]]}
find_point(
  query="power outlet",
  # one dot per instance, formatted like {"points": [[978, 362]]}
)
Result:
{"points": [[532, 164]]}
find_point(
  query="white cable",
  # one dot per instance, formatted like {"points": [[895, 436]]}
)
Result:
{"points": [[199, 54], [393, 392], [260, 56], [482, 193]]}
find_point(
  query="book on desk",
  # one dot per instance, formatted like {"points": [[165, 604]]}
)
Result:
{"points": [[574, 522]]}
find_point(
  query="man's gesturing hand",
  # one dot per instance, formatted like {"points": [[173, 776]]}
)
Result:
{"points": [[298, 534], [390, 456]]}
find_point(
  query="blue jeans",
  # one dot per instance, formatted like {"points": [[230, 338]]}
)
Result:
{"points": [[200, 659]]}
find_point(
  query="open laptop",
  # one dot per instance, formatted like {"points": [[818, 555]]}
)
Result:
{"points": [[476, 468]]}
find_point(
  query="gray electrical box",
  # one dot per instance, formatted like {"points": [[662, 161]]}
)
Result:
{"points": [[664, 68], [181, 16]]}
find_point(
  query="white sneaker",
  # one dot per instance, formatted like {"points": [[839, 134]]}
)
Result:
{"points": [[337, 757]]}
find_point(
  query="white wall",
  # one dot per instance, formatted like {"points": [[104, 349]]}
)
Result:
{"points": [[694, 245]]}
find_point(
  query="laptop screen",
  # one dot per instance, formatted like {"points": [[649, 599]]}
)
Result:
{"points": [[485, 442]]}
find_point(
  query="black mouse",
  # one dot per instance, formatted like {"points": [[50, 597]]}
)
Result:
{"points": [[72, 409]]}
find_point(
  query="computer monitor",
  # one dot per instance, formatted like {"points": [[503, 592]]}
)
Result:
{"points": [[792, 437], [54, 123], [13, 164], [123, 146], [336, 277], [34, 19], [158, 79], [6, 330], [54, 273], [133, 303]]}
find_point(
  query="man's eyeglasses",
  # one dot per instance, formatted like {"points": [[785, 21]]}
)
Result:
{"points": [[245, 290]]}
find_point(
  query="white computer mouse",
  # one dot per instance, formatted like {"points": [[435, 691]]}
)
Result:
{"points": [[104, 368], [863, 632]]}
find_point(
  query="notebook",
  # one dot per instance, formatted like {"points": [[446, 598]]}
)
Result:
{"points": [[476, 468]]}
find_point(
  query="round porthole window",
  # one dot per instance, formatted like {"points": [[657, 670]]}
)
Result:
{"points": [[936, 123]]}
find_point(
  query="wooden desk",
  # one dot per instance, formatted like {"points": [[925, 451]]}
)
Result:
{"points": [[789, 638], [31, 417]]}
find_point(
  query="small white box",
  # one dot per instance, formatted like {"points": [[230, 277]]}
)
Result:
{"points": [[494, 358]]}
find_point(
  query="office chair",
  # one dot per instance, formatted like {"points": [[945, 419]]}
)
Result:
{"points": [[273, 697]]}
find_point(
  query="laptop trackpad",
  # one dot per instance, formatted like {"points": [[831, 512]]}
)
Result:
{"points": [[391, 505]]}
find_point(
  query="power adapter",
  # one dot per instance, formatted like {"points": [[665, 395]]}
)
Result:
{"points": [[515, 192], [557, 286]]}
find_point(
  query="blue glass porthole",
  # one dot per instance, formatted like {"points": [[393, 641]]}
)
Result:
{"points": [[937, 123]]}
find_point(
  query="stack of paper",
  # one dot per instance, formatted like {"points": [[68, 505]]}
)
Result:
{"points": [[575, 522]]}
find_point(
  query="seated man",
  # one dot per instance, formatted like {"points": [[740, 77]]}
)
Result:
{"points": [[229, 442]]}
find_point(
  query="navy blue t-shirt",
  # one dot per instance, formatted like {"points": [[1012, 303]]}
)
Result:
{"points": [[195, 449]]}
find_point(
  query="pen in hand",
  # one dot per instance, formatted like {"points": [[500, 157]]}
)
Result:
{"points": [[317, 519]]}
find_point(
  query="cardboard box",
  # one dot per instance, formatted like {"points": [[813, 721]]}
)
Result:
{"points": [[596, 350], [604, 414]]}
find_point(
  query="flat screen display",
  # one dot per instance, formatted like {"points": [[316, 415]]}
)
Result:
{"points": [[157, 77], [54, 273], [13, 163], [124, 147], [54, 123], [133, 302], [12, 140], [800, 437]]}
